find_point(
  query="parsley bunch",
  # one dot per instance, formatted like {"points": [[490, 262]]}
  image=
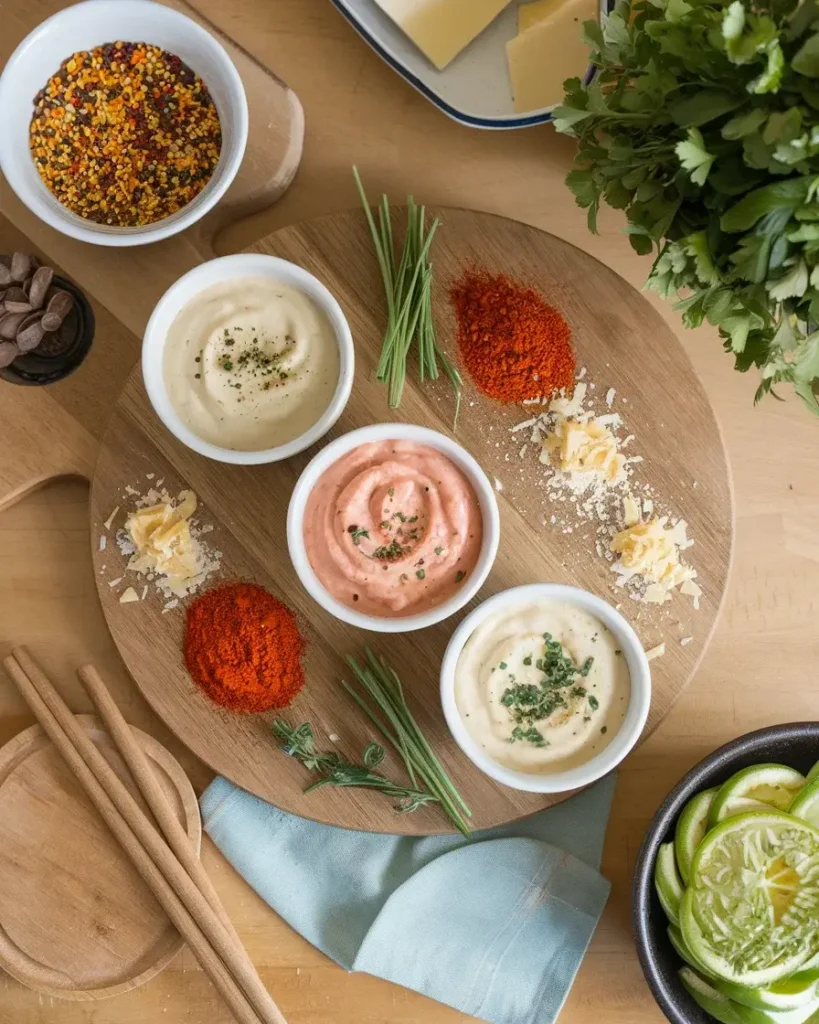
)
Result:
{"points": [[702, 123]]}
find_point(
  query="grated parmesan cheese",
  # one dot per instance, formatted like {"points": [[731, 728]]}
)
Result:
{"points": [[650, 551], [656, 652]]}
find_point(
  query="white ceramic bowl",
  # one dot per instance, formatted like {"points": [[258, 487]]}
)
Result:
{"points": [[636, 715], [390, 432], [90, 24], [190, 285]]}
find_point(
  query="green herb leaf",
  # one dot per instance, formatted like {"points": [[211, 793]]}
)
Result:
{"points": [[694, 157]]}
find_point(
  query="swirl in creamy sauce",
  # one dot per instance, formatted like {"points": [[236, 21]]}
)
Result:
{"points": [[393, 528], [504, 659], [251, 363]]}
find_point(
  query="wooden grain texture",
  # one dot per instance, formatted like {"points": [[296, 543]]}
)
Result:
{"points": [[139, 274], [757, 669], [76, 920], [622, 343]]}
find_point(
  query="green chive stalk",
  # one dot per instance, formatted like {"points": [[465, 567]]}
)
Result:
{"points": [[384, 704], [408, 291]]}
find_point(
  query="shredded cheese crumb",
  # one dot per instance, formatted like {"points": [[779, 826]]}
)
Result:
{"points": [[128, 596], [656, 652], [651, 551], [103, 542], [584, 448], [111, 518], [116, 582], [498, 485], [686, 640]]}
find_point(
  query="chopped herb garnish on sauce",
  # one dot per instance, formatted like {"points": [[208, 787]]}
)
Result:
{"points": [[439, 551], [420, 574], [594, 703], [357, 534], [459, 576], [558, 689], [530, 735]]}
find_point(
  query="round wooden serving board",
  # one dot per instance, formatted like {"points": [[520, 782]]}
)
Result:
{"points": [[623, 343], [76, 920]]}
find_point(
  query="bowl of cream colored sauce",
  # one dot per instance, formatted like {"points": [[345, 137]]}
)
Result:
{"points": [[546, 687], [248, 359]]}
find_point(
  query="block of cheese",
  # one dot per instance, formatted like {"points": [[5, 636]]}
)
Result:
{"points": [[535, 11], [442, 28], [552, 50]]}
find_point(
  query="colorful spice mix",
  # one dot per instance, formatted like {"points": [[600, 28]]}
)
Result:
{"points": [[515, 346], [243, 648], [125, 134]]}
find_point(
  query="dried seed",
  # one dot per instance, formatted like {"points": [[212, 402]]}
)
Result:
{"points": [[5, 276], [30, 318], [20, 264], [30, 338], [51, 321], [10, 324], [60, 303], [15, 294], [16, 307], [8, 353], [40, 283]]}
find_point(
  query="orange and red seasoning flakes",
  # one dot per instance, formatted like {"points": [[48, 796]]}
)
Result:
{"points": [[125, 134]]}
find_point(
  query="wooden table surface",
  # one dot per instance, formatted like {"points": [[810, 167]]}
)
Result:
{"points": [[760, 666]]}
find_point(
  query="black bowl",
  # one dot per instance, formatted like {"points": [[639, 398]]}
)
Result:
{"points": [[796, 745], [46, 367]]}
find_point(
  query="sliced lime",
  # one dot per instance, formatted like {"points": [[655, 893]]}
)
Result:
{"points": [[806, 804], [789, 994], [691, 829], [707, 997], [750, 912], [813, 773], [757, 788], [675, 937], [667, 882]]}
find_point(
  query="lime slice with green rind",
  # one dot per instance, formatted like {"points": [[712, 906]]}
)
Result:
{"points": [[668, 882], [756, 788], [805, 804], [675, 937], [784, 995], [813, 773], [691, 828], [751, 912], [707, 997]]}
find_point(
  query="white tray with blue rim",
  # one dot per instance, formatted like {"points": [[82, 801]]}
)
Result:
{"points": [[475, 89]]}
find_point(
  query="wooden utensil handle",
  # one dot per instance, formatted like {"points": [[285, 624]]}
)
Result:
{"points": [[231, 952], [134, 757], [152, 876]]}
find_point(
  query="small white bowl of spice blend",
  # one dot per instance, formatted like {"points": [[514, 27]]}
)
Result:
{"points": [[125, 121]]}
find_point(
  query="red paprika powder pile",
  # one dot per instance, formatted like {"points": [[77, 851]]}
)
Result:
{"points": [[243, 648], [514, 345]]}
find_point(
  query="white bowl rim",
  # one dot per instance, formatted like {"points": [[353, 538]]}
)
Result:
{"points": [[73, 226], [636, 715], [244, 265], [388, 432]]}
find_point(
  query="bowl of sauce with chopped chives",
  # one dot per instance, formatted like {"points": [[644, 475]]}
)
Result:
{"points": [[126, 121], [545, 687]]}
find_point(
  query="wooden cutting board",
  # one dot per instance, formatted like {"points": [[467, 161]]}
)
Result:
{"points": [[76, 920], [623, 343]]}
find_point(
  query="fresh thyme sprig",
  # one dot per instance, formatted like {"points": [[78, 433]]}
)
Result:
{"points": [[335, 770], [384, 704], [408, 290]]}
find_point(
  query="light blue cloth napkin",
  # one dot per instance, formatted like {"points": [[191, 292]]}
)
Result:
{"points": [[495, 926]]}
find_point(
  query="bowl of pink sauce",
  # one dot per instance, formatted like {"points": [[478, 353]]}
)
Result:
{"points": [[393, 527]]}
